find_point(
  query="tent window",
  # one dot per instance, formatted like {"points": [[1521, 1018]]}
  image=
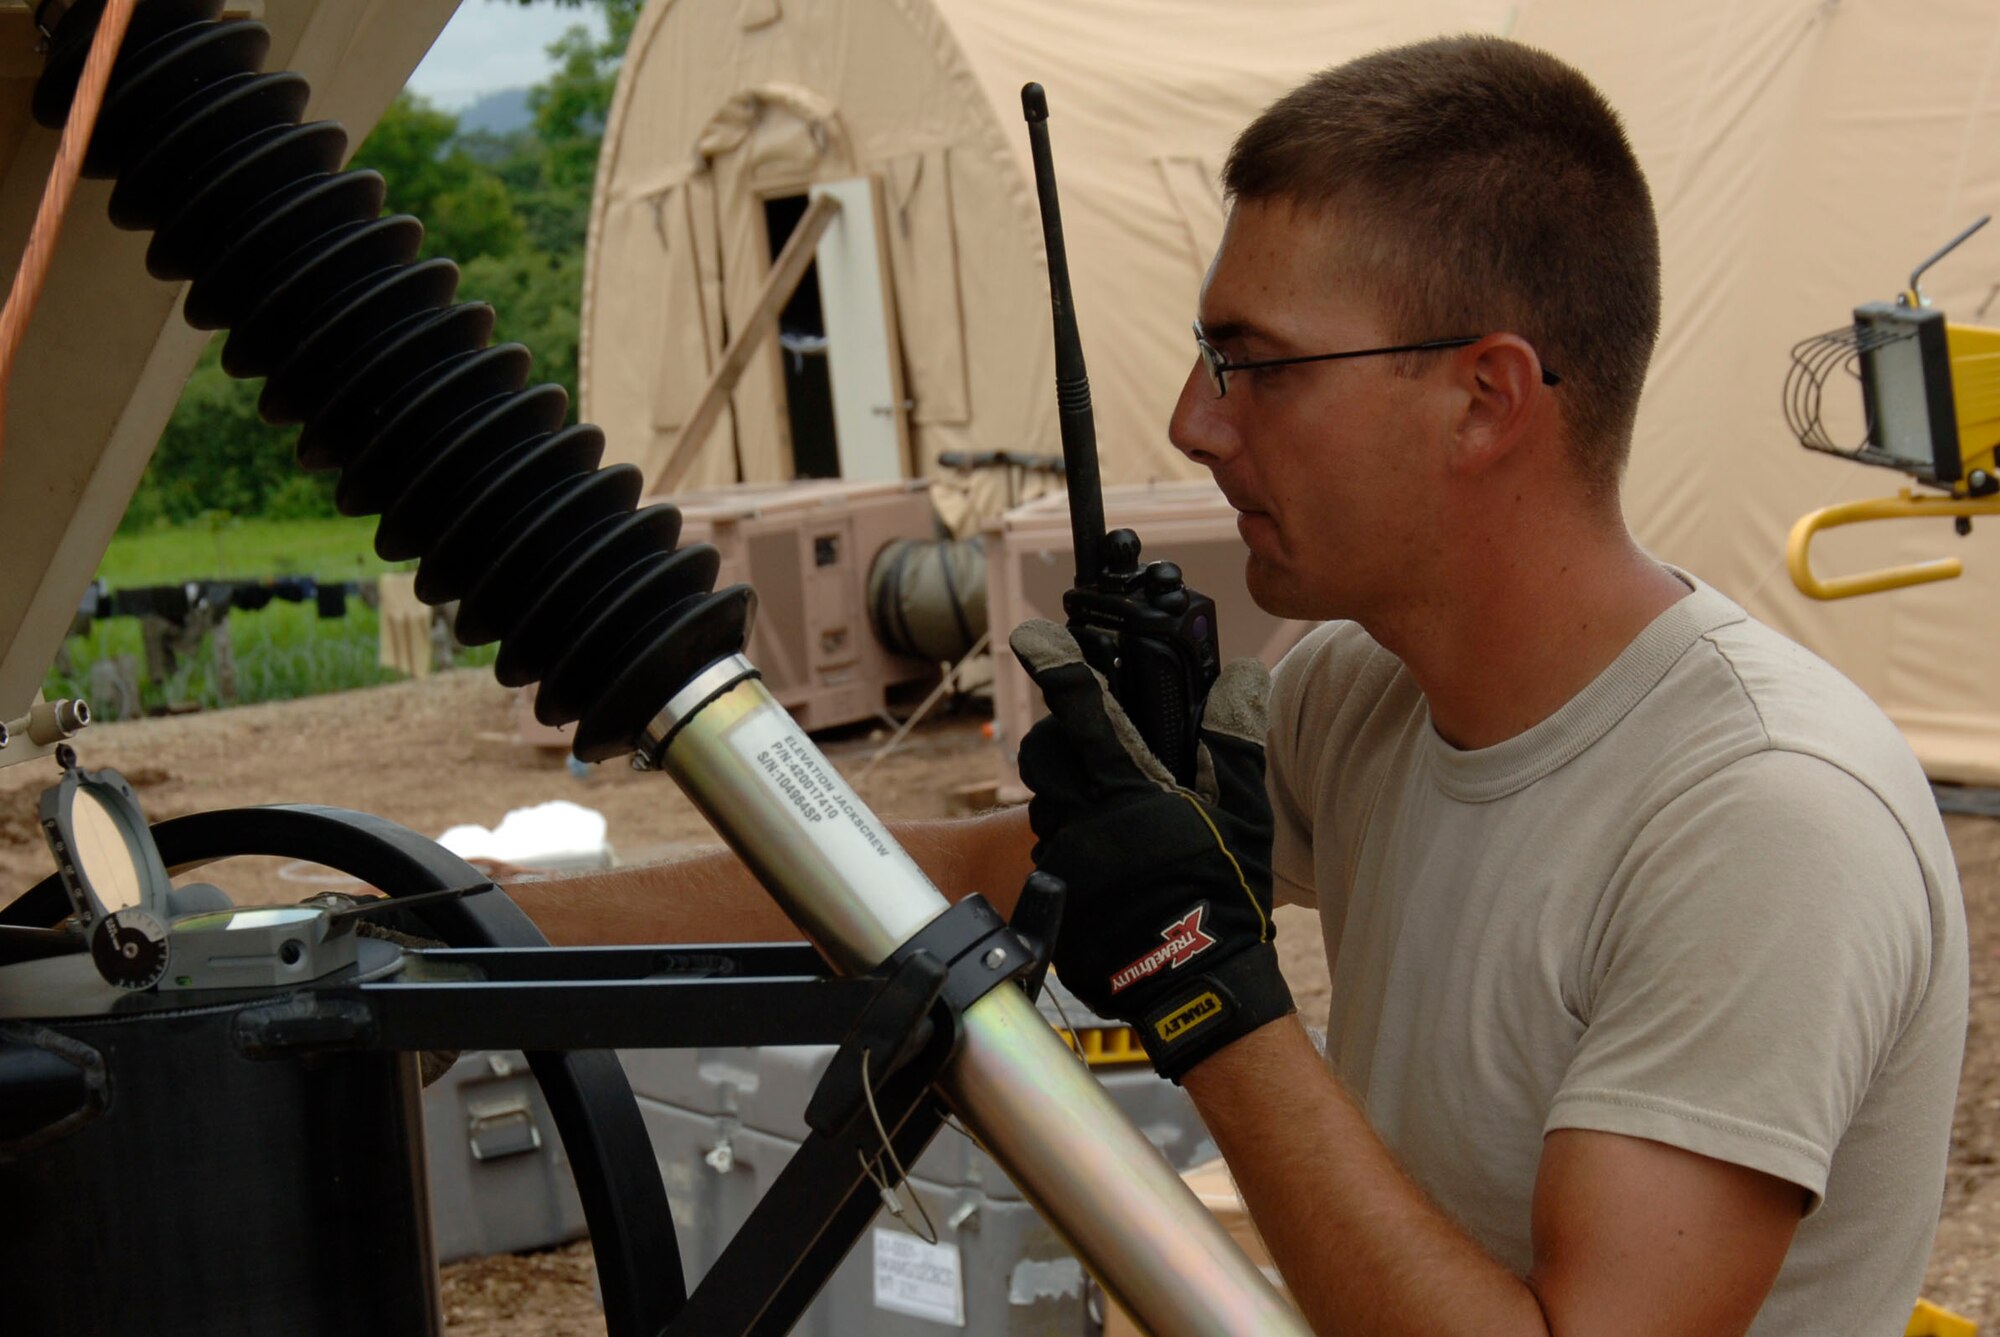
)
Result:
{"points": [[802, 351]]}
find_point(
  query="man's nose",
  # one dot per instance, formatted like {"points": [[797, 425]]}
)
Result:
{"points": [[1200, 428]]}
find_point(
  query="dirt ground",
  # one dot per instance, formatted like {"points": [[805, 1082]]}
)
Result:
{"points": [[436, 753]]}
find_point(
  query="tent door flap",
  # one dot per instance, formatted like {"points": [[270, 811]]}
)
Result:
{"points": [[864, 364]]}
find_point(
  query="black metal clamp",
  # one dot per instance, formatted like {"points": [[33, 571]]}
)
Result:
{"points": [[927, 985]]}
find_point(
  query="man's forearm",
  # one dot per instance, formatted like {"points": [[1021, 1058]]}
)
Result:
{"points": [[712, 897], [1360, 1246]]}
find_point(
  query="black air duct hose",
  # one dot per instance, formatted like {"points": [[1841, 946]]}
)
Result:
{"points": [[471, 470], [927, 597]]}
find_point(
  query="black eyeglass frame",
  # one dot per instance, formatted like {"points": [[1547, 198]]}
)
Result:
{"points": [[1219, 366]]}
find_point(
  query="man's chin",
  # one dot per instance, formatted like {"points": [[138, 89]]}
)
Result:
{"points": [[1278, 592]]}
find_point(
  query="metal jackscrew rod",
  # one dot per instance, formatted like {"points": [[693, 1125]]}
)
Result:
{"points": [[829, 861]]}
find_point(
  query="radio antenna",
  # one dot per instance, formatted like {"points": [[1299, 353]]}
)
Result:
{"points": [[1079, 428]]}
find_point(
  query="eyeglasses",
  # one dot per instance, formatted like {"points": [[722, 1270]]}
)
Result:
{"points": [[1219, 366]]}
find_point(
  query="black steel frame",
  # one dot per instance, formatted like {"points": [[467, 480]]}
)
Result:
{"points": [[568, 1008], [684, 997]]}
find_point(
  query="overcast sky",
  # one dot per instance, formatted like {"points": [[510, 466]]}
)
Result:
{"points": [[492, 44]]}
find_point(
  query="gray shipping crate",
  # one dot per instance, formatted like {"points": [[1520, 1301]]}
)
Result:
{"points": [[499, 1179], [724, 1122]]}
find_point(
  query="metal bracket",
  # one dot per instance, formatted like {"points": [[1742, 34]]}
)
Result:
{"points": [[308, 1019], [952, 962]]}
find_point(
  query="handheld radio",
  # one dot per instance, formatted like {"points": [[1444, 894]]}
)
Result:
{"points": [[1152, 637]]}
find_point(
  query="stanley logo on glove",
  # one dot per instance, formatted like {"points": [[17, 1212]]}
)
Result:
{"points": [[1177, 1023]]}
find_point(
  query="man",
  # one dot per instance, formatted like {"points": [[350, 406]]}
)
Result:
{"points": [[1647, 955]]}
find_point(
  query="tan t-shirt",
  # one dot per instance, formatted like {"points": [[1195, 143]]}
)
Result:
{"points": [[1708, 902]]}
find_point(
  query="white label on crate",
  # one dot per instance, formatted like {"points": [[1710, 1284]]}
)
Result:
{"points": [[919, 1279], [1036, 1279]]}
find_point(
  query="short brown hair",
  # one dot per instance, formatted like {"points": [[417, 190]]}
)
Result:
{"points": [[1491, 187]]}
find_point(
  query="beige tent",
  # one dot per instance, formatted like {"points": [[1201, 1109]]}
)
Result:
{"points": [[1804, 155], [727, 107]]}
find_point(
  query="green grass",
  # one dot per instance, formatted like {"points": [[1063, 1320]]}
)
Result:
{"points": [[334, 549], [281, 651]]}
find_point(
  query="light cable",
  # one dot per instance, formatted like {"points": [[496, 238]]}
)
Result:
{"points": [[33, 273]]}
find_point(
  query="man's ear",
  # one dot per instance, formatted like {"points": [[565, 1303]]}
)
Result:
{"points": [[1501, 379]]}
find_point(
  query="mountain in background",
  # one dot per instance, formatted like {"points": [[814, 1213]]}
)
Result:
{"points": [[500, 112]]}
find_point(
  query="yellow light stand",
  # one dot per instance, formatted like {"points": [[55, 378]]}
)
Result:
{"points": [[1905, 505], [1930, 391], [1975, 384]]}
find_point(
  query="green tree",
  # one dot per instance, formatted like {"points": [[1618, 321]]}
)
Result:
{"points": [[534, 297], [217, 455], [552, 188], [512, 210], [464, 205], [620, 16]]}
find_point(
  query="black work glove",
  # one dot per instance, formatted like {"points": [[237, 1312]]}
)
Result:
{"points": [[1167, 924]]}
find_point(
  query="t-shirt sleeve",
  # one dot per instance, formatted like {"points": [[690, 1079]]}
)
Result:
{"points": [[1762, 946]]}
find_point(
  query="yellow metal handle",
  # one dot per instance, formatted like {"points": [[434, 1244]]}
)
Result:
{"points": [[1905, 505]]}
